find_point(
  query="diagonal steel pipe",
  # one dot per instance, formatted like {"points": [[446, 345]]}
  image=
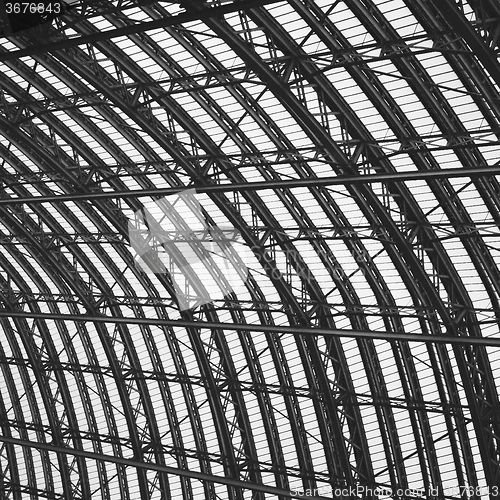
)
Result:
{"points": [[288, 330]]}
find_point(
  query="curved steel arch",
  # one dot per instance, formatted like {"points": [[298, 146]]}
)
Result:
{"points": [[238, 94]]}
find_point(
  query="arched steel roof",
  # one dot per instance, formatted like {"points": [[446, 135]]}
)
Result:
{"points": [[345, 338]]}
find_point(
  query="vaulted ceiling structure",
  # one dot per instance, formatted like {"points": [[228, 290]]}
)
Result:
{"points": [[250, 249]]}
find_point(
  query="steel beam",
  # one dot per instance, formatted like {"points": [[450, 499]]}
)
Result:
{"points": [[341, 180], [288, 330]]}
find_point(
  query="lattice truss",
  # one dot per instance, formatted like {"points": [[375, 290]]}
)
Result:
{"points": [[109, 388]]}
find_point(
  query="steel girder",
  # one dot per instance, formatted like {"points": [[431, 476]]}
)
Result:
{"points": [[127, 314]]}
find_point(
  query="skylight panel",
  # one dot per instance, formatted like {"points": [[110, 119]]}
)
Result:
{"points": [[267, 287], [351, 28], [139, 15], [81, 216], [4, 384], [360, 104], [41, 457], [77, 347], [20, 457], [278, 113], [439, 70], [476, 455], [442, 446], [425, 371], [8, 72], [426, 199], [177, 52], [195, 111], [188, 356], [71, 124], [349, 207], [467, 111], [314, 439], [375, 443], [256, 423], [467, 272], [488, 145], [19, 80], [278, 8], [91, 252], [101, 24], [391, 275], [250, 174], [452, 89], [120, 140], [471, 199], [494, 357], [85, 136], [48, 283], [356, 365], [402, 162], [59, 215], [284, 170], [8, 46], [286, 435], [393, 81], [400, 18], [27, 283], [290, 21], [274, 204], [404, 96], [412, 464], [443, 75], [110, 403], [255, 133], [229, 104], [219, 50], [59, 85], [349, 267]]}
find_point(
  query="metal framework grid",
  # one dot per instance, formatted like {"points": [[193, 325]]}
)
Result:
{"points": [[354, 144]]}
